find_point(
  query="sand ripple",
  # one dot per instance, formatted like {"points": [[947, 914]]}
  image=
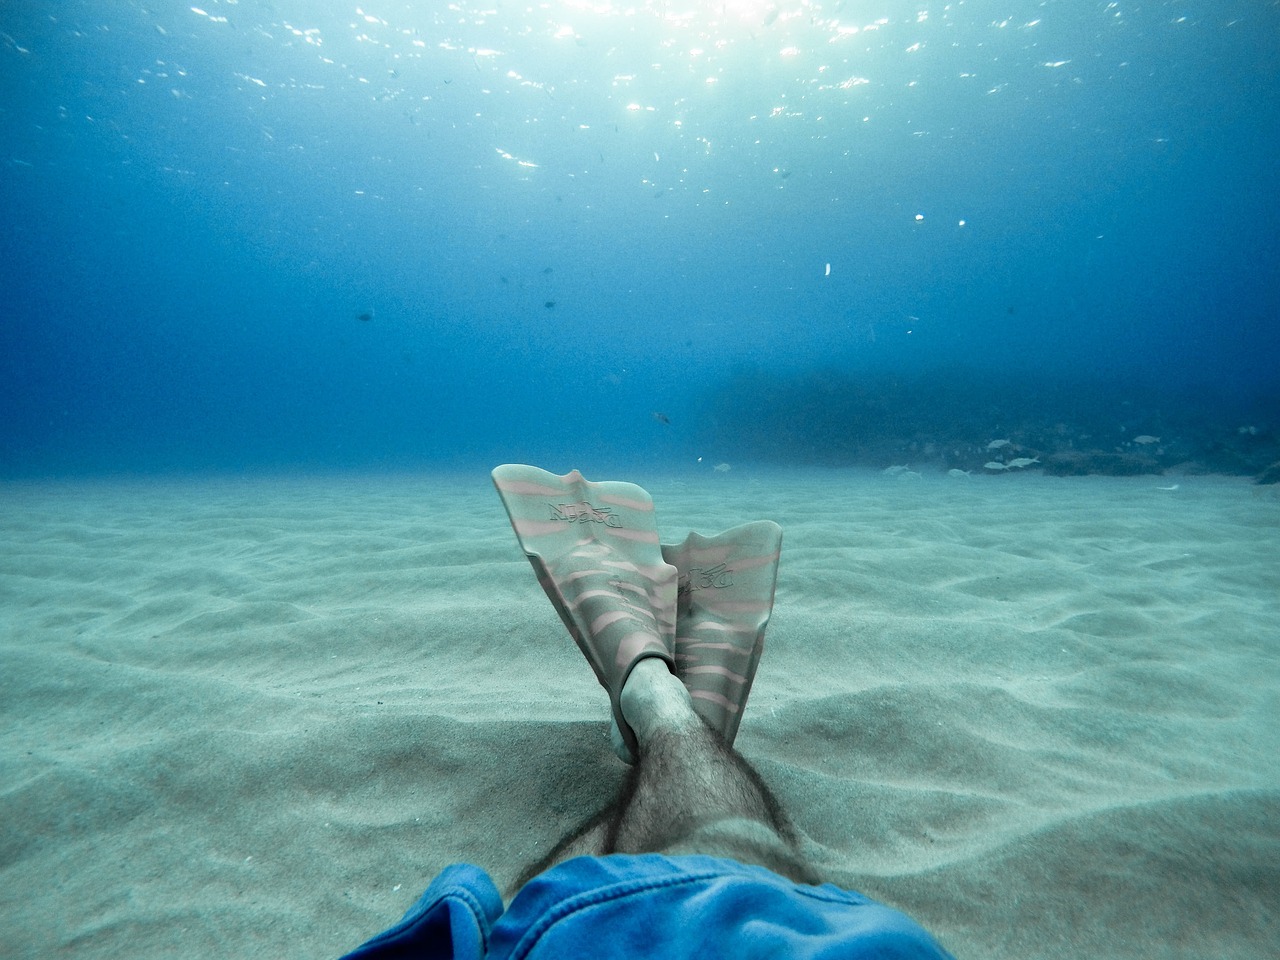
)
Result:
{"points": [[256, 717]]}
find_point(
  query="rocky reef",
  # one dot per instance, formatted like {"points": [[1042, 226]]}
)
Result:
{"points": [[992, 424]]}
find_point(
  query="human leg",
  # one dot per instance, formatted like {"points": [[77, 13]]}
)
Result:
{"points": [[688, 793], [691, 792]]}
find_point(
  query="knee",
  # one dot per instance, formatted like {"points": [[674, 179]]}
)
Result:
{"points": [[747, 841]]}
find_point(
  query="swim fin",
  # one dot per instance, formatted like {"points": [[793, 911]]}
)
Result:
{"points": [[726, 591], [595, 550]]}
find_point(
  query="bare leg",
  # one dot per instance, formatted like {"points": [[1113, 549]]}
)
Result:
{"points": [[688, 793]]}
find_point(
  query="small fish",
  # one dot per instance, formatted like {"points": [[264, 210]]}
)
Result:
{"points": [[957, 473], [1020, 462], [722, 468], [662, 418], [997, 444], [1145, 438], [550, 304], [995, 465], [365, 317]]}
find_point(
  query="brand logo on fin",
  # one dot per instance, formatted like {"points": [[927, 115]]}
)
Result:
{"points": [[584, 512], [701, 578]]}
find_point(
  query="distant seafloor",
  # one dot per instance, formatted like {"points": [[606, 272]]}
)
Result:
{"points": [[255, 717]]}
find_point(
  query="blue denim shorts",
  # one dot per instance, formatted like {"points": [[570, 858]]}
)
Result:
{"points": [[650, 906]]}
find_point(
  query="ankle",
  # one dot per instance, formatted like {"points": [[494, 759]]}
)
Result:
{"points": [[654, 700]]}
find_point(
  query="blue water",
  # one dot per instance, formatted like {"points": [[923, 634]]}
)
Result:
{"points": [[303, 234]]}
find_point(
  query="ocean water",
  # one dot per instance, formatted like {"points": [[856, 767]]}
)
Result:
{"points": [[248, 235]]}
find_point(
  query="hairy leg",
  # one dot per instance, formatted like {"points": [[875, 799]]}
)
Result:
{"points": [[688, 793], [691, 792]]}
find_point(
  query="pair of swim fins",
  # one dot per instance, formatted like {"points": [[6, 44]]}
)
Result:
{"points": [[701, 606]]}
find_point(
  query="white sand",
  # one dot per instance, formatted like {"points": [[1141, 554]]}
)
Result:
{"points": [[254, 719]]}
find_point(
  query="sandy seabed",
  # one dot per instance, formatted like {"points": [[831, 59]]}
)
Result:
{"points": [[253, 718]]}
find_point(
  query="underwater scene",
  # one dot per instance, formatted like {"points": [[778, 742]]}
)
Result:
{"points": [[978, 300]]}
